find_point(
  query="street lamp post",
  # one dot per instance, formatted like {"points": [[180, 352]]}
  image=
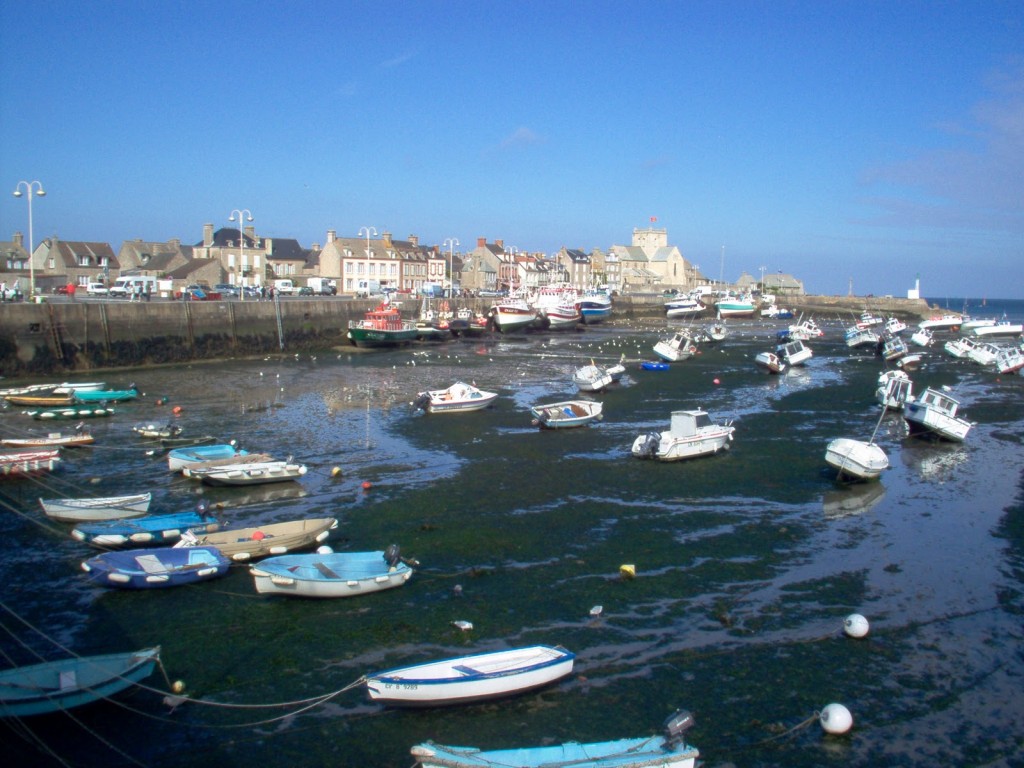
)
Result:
{"points": [[37, 188], [367, 231], [763, 268], [451, 242], [246, 214]]}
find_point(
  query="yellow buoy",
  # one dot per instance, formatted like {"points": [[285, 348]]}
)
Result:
{"points": [[336, 472], [627, 571], [178, 686]]}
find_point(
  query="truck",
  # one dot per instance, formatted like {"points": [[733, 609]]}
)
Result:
{"points": [[366, 289], [323, 286]]}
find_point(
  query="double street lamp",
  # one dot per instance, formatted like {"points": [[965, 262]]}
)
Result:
{"points": [[451, 242], [367, 231], [246, 214], [36, 188]]}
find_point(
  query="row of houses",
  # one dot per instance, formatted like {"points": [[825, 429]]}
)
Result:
{"points": [[242, 258]]}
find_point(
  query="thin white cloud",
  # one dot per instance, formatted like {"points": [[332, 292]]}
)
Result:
{"points": [[979, 184], [398, 60], [521, 137]]}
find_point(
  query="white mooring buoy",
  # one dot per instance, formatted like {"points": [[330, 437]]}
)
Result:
{"points": [[835, 718], [856, 625]]}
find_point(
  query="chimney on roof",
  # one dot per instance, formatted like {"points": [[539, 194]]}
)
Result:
{"points": [[500, 244], [250, 232], [386, 237], [175, 243], [415, 240], [315, 248], [19, 240], [481, 242], [331, 236], [207, 235]]}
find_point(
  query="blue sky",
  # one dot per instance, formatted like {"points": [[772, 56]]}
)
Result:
{"points": [[871, 141]]}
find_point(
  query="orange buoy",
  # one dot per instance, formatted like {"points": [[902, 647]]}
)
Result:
{"points": [[367, 485], [176, 409]]}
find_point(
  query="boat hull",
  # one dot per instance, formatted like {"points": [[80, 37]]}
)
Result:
{"points": [[60, 685], [143, 531], [471, 678], [255, 473], [373, 337], [245, 544], [156, 568], [865, 461], [328, 576], [28, 462], [90, 510], [568, 414]]}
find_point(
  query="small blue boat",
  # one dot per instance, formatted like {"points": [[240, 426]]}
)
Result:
{"points": [[156, 568], [58, 685], [106, 395], [654, 365], [668, 751], [179, 458], [153, 530]]}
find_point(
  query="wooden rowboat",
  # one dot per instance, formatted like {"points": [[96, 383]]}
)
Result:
{"points": [[471, 678], [243, 544], [29, 462], [99, 508], [571, 413], [54, 686], [52, 440]]}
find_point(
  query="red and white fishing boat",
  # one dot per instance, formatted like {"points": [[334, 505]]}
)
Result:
{"points": [[28, 462], [512, 314]]}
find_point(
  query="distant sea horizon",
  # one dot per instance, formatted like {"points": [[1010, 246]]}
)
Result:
{"points": [[1013, 309]]}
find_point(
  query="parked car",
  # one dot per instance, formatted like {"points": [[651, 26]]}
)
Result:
{"points": [[228, 290], [305, 291], [61, 290], [96, 289]]}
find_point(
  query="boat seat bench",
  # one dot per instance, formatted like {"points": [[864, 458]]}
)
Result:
{"points": [[466, 670], [322, 567]]}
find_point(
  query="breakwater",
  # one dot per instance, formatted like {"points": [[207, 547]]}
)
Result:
{"points": [[55, 337]]}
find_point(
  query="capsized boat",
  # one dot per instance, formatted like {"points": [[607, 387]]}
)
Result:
{"points": [[152, 530], [86, 509], [156, 568], [458, 398], [242, 544], [935, 413], [251, 473], [466, 679], [54, 686], [327, 574], [668, 751], [566, 414], [690, 434], [29, 461]]}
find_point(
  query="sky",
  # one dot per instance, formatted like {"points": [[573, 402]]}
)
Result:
{"points": [[855, 145]]}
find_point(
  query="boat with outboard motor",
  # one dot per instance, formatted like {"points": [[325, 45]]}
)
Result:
{"points": [[690, 434]]}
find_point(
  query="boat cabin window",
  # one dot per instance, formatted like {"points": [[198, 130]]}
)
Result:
{"points": [[702, 420]]}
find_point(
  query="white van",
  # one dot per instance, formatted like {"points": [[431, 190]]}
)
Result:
{"points": [[125, 287], [284, 286], [368, 289]]}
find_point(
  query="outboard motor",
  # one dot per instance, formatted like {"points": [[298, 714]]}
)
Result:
{"points": [[392, 555], [203, 509], [678, 724], [650, 447], [422, 401]]}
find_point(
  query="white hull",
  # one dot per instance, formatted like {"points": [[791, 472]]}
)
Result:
{"points": [[770, 362], [255, 473], [691, 434], [591, 378], [89, 510], [935, 413], [679, 347], [458, 398], [330, 576], [470, 678], [794, 352], [999, 329], [854, 457]]}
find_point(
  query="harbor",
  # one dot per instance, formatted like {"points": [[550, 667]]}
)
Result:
{"points": [[723, 581]]}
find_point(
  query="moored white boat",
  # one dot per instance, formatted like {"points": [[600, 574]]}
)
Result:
{"points": [[922, 337], [471, 678], [667, 751], [894, 387], [946, 322], [76, 510], [592, 378], [251, 473], [863, 460], [690, 434], [1002, 328], [935, 413], [1009, 359], [805, 330], [331, 574], [29, 461], [894, 326], [595, 306], [179, 458], [686, 306], [50, 440], [894, 348], [794, 352], [567, 414], [861, 337], [458, 398], [512, 314], [770, 362], [735, 306], [679, 347]]}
